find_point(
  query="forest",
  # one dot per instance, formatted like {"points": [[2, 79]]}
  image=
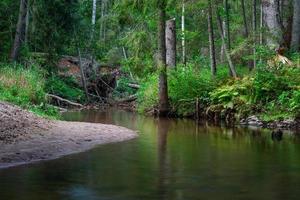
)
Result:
{"points": [[149, 99], [214, 59]]}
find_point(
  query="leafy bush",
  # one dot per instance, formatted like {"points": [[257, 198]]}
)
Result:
{"points": [[185, 86], [65, 88], [148, 93]]}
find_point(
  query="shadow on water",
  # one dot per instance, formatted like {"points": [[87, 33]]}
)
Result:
{"points": [[173, 159]]}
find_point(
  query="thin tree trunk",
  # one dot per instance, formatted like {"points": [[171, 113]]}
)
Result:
{"points": [[254, 28], [295, 43], [83, 76], [261, 39], [213, 64], [171, 43], [231, 66], [102, 19], [222, 55], [183, 33], [94, 16], [163, 83], [20, 31], [27, 23], [227, 24], [245, 19]]}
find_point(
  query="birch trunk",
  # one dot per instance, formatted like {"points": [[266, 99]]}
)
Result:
{"points": [[183, 33]]}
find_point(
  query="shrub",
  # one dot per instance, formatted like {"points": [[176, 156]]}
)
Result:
{"points": [[65, 88]]}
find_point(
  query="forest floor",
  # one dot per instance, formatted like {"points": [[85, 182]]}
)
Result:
{"points": [[26, 138]]}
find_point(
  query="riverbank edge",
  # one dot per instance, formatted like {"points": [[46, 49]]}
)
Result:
{"points": [[32, 139]]}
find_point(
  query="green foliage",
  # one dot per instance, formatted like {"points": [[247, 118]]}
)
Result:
{"points": [[185, 86], [272, 92], [122, 90], [25, 87], [65, 88], [148, 93]]}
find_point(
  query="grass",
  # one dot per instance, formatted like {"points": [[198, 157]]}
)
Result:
{"points": [[25, 87]]}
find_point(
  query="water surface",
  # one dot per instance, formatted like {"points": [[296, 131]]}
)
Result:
{"points": [[172, 159]]}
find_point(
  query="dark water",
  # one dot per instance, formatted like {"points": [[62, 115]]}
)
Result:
{"points": [[172, 159]]}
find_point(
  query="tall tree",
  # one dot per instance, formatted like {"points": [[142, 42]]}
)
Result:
{"points": [[171, 43], [254, 27], [295, 43], [212, 48], [246, 31], [20, 31], [94, 15], [227, 53], [183, 32], [272, 23], [227, 24], [162, 67]]}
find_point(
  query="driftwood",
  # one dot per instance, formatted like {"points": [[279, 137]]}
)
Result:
{"points": [[64, 100], [134, 86], [128, 99]]}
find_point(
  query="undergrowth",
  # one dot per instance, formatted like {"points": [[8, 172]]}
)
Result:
{"points": [[272, 93]]}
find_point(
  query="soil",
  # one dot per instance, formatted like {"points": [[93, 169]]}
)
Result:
{"points": [[26, 138]]}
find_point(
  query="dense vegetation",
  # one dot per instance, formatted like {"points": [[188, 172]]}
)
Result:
{"points": [[231, 61]]}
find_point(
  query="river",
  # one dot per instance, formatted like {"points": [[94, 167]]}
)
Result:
{"points": [[172, 159]]}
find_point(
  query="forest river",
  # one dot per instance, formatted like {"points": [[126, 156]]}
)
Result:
{"points": [[172, 159]]}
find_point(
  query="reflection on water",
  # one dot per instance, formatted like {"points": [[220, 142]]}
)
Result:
{"points": [[172, 159]]}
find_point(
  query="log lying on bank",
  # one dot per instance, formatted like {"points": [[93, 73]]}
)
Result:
{"points": [[131, 98], [64, 100], [134, 86]]}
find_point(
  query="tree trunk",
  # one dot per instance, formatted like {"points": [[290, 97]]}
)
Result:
{"points": [[261, 25], [94, 16], [227, 25], [102, 20], [83, 75], [20, 31], [163, 83], [183, 33], [295, 43], [213, 64], [254, 27], [246, 31], [171, 43], [272, 23], [231, 66], [27, 23]]}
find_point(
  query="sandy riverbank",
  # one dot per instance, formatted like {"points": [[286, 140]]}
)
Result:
{"points": [[26, 138]]}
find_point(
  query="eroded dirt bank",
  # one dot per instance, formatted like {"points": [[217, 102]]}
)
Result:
{"points": [[25, 138]]}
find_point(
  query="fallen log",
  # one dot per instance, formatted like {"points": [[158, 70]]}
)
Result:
{"points": [[64, 100], [134, 86], [128, 99]]}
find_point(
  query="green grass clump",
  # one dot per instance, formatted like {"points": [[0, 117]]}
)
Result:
{"points": [[25, 87]]}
